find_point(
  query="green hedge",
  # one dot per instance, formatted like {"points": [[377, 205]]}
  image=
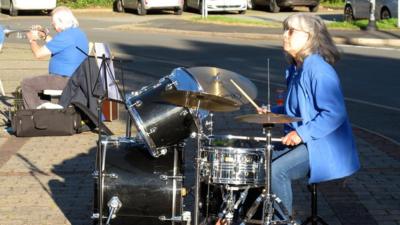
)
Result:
{"points": [[85, 3]]}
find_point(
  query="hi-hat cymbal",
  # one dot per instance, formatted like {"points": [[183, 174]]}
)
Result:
{"points": [[216, 81], [267, 118], [202, 100]]}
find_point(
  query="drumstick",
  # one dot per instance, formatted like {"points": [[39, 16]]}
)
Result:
{"points": [[244, 93]]}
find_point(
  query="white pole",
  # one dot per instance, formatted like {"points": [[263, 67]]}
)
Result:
{"points": [[203, 14], [398, 13], [371, 23]]}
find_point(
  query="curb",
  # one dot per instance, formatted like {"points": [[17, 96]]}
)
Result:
{"points": [[373, 42]]}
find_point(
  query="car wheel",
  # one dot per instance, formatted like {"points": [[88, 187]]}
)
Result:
{"points": [[242, 12], [385, 14], [249, 4], [13, 11], [273, 6], [185, 6], [178, 11], [118, 6], [313, 8], [348, 14], [141, 10]]}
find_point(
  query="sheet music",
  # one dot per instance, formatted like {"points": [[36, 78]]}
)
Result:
{"points": [[99, 50]]}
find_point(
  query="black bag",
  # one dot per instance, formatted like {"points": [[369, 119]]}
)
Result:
{"points": [[46, 122]]}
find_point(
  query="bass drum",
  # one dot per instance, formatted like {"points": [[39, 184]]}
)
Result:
{"points": [[149, 189]]}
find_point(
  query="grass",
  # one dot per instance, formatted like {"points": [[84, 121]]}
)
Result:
{"points": [[356, 25], [234, 21], [333, 4], [75, 4], [388, 24]]}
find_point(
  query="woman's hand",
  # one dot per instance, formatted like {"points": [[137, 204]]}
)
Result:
{"points": [[291, 139], [262, 110]]}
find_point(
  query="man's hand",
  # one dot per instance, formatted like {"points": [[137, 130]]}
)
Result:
{"points": [[291, 139]]}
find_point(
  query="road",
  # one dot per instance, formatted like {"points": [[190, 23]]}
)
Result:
{"points": [[368, 77]]}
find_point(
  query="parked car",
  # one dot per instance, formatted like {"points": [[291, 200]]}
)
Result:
{"points": [[218, 5], [142, 6], [14, 6], [359, 9], [276, 5]]}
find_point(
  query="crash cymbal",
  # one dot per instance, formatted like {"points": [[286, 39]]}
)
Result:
{"points": [[216, 81], [267, 118], [202, 100]]}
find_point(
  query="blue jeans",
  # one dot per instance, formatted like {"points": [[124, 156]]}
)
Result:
{"points": [[288, 165]]}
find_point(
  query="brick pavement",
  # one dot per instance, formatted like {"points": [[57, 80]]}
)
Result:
{"points": [[47, 180]]}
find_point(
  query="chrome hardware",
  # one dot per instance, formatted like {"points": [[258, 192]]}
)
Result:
{"points": [[113, 206], [137, 104], [173, 219], [95, 175], [166, 177], [152, 130], [160, 151]]}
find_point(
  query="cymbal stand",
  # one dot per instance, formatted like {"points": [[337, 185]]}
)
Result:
{"points": [[198, 161], [270, 198]]}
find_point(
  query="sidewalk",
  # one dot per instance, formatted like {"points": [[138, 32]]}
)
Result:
{"points": [[47, 180]]}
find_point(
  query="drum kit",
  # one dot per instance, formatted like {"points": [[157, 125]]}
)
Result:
{"points": [[140, 180]]}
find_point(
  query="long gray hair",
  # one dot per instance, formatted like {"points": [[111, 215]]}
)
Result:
{"points": [[319, 41]]}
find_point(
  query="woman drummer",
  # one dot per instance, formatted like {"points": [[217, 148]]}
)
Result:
{"points": [[320, 146]]}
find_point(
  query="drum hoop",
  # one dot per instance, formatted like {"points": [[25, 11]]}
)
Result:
{"points": [[142, 132], [237, 137], [232, 149]]}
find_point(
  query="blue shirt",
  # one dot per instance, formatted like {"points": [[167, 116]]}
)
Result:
{"points": [[315, 95], [1, 35], [65, 53]]}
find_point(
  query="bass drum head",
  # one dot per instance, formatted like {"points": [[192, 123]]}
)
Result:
{"points": [[141, 183]]}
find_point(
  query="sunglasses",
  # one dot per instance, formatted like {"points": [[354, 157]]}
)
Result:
{"points": [[291, 30]]}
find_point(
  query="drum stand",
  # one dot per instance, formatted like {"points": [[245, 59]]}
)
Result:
{"points": [[231, 204], [267, 197]]}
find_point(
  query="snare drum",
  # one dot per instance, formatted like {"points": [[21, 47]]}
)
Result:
{"points": [[162, 124], [233, 160]]}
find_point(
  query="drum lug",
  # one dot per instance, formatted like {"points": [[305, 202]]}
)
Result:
{"points": [[96, 216], [95, 175], [152, 130], [184, 113], [186, 216], [166, 177], [137, 104], [171, 86]]}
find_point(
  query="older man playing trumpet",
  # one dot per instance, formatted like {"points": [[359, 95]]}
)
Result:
{"points": [[67, 50]]}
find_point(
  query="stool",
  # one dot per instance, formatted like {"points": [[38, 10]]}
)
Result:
{"points": [[314, 219]]}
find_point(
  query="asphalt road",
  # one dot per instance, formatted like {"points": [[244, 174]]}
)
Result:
{"points": [[369, 75]]}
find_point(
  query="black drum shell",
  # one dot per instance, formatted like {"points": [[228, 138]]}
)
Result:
{"points": [[159, 122], [144, 195]]}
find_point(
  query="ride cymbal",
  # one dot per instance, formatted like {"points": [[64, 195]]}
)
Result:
{"points": [[201, 100], [216, 81], [267, 118]]}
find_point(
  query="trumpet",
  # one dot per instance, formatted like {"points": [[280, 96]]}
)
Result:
{"points": [[8, 32], [20, 33]]}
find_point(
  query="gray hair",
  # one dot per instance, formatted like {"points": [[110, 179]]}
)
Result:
{"points": [[319, 41], [63, 18]]}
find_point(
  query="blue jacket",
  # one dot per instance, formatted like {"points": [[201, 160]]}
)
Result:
{"points": [[325, 129]]}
